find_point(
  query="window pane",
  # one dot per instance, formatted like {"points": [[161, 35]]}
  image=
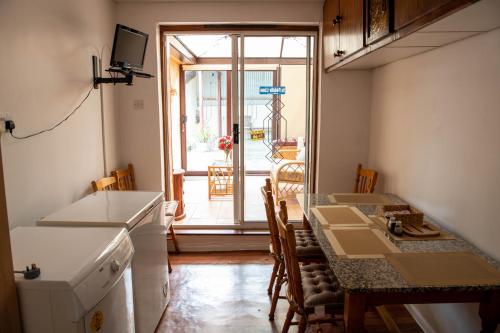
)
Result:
{"points": [[294, 47], [262, 47], [208, 46]]}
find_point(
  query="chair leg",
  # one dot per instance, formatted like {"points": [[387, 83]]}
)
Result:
{"points": [[169, 266], [288, 320], [277, 289], [302, 324], [174, 239], [273, 276]]}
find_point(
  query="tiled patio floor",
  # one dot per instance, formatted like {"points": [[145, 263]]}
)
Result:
{"points": [[219, 211]]}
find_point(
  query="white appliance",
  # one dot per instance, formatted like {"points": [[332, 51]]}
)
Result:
{"points": [[142, 214], [85, 280]]}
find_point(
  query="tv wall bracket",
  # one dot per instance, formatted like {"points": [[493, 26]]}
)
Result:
{"points": [[127, 78]]}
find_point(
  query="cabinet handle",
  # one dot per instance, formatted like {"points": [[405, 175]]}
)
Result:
{"points": [[336, 20], [338, 53]]}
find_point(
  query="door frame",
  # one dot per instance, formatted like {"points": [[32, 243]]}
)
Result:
{"points": [[246, 30]]}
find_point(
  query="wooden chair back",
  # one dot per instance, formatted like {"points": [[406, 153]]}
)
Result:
{"points": [[365, 180], [287, 238], [267, 196], [105, 184], [125, 178]]}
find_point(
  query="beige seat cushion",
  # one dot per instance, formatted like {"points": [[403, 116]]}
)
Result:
{"points": [[320, 286], [170, 208], [307, 245]]}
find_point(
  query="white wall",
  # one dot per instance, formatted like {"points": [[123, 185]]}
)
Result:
{"points": [[435, 140], [343, 129], [46, 71]]}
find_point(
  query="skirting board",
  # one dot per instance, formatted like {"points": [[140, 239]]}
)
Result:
{"points": [[421, 321], [204, 243]]}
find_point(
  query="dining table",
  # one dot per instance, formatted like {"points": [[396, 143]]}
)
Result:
{"points": [[373, 282]]}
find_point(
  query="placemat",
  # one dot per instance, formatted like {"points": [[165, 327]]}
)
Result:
{"points": [[444, 269], [340, 216], [359, 198], [359, 242], [380, 223]]}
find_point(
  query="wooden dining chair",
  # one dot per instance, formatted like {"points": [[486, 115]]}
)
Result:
{"points": [[278, 273], [125, 178], [365, 180], [105, 184], [311, 287], [307, 247]]}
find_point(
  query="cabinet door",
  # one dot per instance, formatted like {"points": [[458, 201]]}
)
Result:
{"points": [[330, 32], [407, 12], [351, 26]]}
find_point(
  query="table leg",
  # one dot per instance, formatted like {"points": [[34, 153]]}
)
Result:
{"points": [[354, 312], [489, 311]]}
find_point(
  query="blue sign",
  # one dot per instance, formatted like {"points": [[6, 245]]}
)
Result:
{"points": [[272, 90]]}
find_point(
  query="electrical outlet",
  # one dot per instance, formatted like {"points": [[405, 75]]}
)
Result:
{"points": [[138, 104]]}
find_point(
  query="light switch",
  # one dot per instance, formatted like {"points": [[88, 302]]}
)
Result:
{"points": [[138, 104]]}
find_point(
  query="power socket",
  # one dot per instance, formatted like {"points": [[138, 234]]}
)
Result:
{"points": [[9, 125]]}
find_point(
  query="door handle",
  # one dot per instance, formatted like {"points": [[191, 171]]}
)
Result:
{"points": [[236, 133], [336, 20]]}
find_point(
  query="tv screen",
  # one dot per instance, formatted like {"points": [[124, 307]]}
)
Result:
{"points": [[129, 48]]}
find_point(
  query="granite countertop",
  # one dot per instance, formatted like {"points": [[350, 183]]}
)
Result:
{"points": [[378, 275]]}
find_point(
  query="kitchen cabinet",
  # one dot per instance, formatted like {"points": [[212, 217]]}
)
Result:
{"points": [[354, 29], [421, 12], [351, 26], [342, 29], [330, 32]]}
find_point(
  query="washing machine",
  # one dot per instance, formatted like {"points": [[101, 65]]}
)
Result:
{"points": [[142, 214], [84, 283]]}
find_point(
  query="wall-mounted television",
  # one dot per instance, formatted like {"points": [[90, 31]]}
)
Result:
{"points": [[129, 48]]}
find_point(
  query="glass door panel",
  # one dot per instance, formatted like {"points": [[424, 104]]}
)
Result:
{"points": [[205, 117], [257, 125], [274, 126]]}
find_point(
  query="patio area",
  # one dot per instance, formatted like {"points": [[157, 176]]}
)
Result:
{"points": [[219, 210]]}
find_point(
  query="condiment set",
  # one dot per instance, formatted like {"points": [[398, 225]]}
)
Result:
{"points": [[395, 227]]}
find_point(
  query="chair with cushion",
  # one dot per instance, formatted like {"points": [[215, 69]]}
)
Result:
{"points": [[308, 248], [313, 291], [105, 184], [365, 180]]}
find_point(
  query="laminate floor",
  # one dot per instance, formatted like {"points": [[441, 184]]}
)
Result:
{"points": [[230, 295]]}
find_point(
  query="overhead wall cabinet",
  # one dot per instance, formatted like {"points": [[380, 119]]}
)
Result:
{"points": [[342, 29], [420, 12], [352, 29], [379, 18]]}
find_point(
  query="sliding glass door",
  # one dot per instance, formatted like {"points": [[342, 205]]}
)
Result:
{"points": [[271, 110]]}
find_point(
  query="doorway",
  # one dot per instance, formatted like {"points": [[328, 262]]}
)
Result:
{"points": [[256, 89]]}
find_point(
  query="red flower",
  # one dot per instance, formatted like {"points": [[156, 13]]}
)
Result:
{"points": [[226, 143]]}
